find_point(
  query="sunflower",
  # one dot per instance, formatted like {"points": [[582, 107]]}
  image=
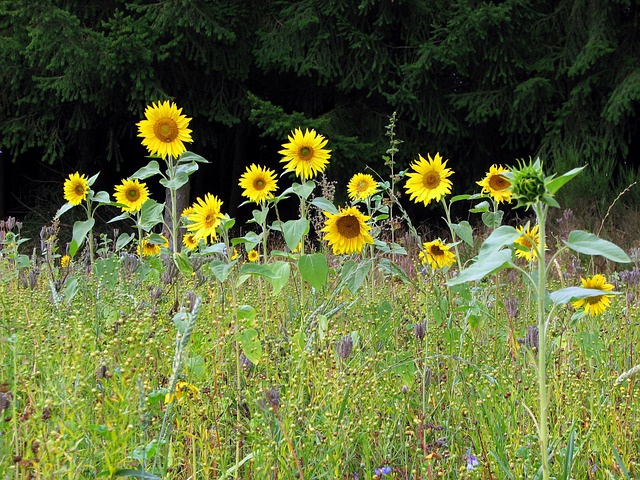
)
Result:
{"points": [[496, 184], [598, 304], [346, 231], [259, 183], [253, 256], [235, 254], [304, 153], [132, 194], [429, 180], [164, 130], [206, 217], [528, 243], [437, 254], [183, 389], [190, 241], [76, 188], [361, 186], [147, 249]]}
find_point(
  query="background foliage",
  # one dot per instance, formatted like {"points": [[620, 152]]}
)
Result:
{"points": [[482, 82]]}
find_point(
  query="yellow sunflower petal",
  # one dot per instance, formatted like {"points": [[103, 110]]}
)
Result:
{"points": [[346, 231]]}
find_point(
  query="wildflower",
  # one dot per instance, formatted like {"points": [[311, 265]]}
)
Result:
{"points": [[429, 180], [235, 254], [258, 183], [132, 194], [361, 186], [183, 389], [164, 130], [528, 243], [76, 188], [147, 248], [206, 217], [190, 241], [472, 460], [65, 260], [598, 304], [253, 256], [437, 254], [496, 184], [305, 154], [382, 471], [346, 231], [344, 347]]}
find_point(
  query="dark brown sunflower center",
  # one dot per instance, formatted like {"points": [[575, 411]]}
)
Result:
{"points": [[593, 300], [259, 184], [306, 153], [166, 130], [348, 227], [133, 194], [526, 242], [79, 189], [436, 251], [431, 180], [498, 182]]}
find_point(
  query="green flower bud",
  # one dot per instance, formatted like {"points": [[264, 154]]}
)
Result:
{"points": [[529, 185]]}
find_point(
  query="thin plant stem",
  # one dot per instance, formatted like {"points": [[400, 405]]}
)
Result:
{"points": [[453, 233]]}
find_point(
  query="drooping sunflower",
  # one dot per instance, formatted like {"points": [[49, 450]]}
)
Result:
{"points": [[361, 186], [437, 254], [147, 249], [76, 188], [206, 217], [496, 184], [132, 194], [305, 154], [598, 304], [165, 130], [429, 180], [183, 390], [253, 256], [346, 231], [527, 245], [190, 241], [258, 183]]}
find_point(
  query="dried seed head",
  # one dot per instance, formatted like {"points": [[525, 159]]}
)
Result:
{"points": [[511, 306], [420, 330], [345, 347], [273, 397]]}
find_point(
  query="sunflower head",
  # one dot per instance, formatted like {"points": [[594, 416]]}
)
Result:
{"points": [[347, 231], [76, 188], [599, 303], [305, 153], [497, 184], [205, 218], [253, 256], [437, 254], [147, 249], [190, 241], [528, 243], [529, 185], [164, 130], [361, 186], [131, 194], [429, 179], [258, 183]]}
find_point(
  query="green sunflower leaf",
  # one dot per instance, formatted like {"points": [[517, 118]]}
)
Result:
{"points": [[566, 295], [149, 170], [314, 269], [589, 244]]}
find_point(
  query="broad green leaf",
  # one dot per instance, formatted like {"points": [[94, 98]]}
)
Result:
{"points": [[175, 183], [187, 168], [123, 240], [314, 269], [324, 205], [566, 295], [220, 269], [80, 231], [151, 169], [556, 184], [281, 271], [464, 231], [246, 312], [482, 207], [260, 269], [387, 266], [293, 231], [122, 216], [482, 267], [250, 344], [64, 208], [181, 261], [102, 197], [501, 237], [70, 290], [354, 274], [151, 214], [589, 244], [181, 320], [303, 190], [192, 157], [250, 240], [493, 219], [93, 179], [260, 216]]}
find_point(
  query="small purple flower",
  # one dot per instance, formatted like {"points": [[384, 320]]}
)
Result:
{"points": [[472, 460], [386, 470]]}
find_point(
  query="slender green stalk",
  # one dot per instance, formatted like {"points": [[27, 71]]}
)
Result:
{"points": [[174, 208], [453, 233]]}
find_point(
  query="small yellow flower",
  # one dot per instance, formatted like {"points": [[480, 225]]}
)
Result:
{"points": [[347, 231], [305, 153], [132, 194], [164, 131], [183, 389], [253, 256], [527, 245], [437, 254], [190, 241], [65, 260], [496, 184], [429, 180], [146, 248], [258, 183], [235, 254], [598, 304], [361, 186], [76, 188]]}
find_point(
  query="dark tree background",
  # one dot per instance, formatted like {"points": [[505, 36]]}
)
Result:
{"points": [[481, 82]]}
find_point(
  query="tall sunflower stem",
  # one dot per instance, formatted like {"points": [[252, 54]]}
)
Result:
{"points": [[447, 213], [174, 208]]}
